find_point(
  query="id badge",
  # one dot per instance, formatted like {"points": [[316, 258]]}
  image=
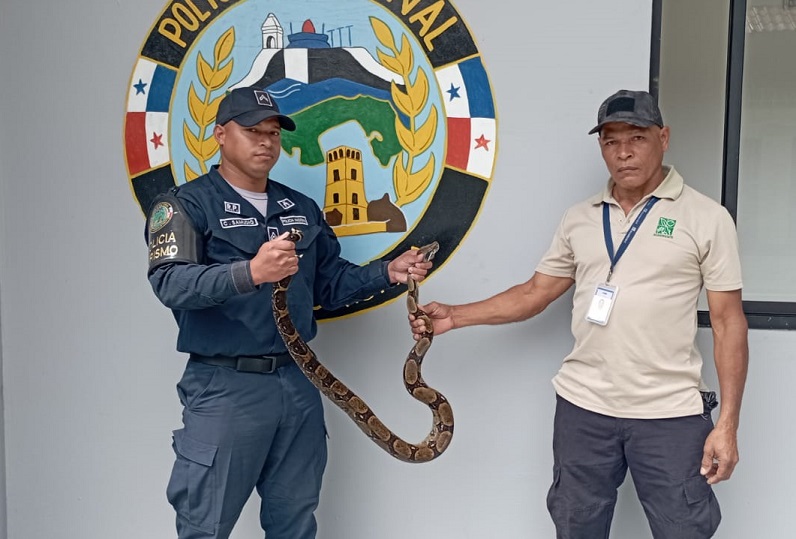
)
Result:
{"points": [[602, 303]]}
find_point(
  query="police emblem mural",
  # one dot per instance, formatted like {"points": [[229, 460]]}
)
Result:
{"points": [[396, 128]]}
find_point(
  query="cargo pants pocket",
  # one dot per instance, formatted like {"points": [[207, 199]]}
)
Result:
{"points": [[702, 511], [192, 486]]}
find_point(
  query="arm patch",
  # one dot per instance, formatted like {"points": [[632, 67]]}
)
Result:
{"points": [[171, 234]]}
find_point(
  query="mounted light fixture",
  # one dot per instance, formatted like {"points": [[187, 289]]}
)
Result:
{"points": [[771, 18]]}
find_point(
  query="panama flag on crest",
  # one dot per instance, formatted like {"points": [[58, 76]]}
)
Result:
{"points": [[147, 118], [471, 117]]}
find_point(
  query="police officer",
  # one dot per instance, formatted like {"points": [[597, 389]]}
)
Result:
{"points": [[251, 418]]}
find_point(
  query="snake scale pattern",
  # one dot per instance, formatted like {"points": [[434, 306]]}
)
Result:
{"points": [[442, 430]]}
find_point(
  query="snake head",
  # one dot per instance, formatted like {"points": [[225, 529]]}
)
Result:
{"points": [[295, 235], [429, 251]]}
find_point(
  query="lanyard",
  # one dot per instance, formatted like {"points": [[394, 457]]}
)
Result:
{"points": [[609, 243]]}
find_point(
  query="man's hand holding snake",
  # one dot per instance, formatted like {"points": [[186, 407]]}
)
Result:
{"points": [[440, 315]]}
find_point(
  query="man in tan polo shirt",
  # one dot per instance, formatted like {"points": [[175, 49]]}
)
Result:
{"points": [[630, 394]]}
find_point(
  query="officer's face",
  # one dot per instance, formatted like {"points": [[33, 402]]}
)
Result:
{"points": [[251, 151]]}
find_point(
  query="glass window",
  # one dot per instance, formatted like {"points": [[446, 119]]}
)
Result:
{"points": [[767, 158], [691, 95], [691, 92], [725, 75]]}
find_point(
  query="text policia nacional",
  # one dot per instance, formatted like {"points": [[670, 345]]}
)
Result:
{"points": [[427, 19]]}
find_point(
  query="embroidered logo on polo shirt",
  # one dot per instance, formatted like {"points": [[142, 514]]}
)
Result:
{"points": [[665, 228], [273, 232], [232, 207]]}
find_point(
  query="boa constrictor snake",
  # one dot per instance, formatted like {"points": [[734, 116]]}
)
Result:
{"points": [[442, 430]]}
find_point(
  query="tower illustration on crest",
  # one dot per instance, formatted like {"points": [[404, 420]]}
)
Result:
{"points": [[345, 202]]}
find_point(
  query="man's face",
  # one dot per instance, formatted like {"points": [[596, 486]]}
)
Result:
{"points": [[633, 155], [252, 151]]}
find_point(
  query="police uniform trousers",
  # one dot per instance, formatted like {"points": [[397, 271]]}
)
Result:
{"points": [[244, 431], [592, 453]]}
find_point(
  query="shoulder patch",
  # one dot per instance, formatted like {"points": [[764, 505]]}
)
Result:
{"points": [[171, 234], [160, 216]]}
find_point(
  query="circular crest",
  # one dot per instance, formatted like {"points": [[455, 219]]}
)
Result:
{"points": [[396, 136]]}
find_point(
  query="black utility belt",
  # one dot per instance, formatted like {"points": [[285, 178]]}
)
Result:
{"points": [[259, 364]]}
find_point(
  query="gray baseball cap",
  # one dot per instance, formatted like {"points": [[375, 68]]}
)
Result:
{"points": [[250, 106], [630, 107]]}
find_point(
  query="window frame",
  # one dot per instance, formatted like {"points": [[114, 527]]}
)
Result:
{"points": [[759, 314]]}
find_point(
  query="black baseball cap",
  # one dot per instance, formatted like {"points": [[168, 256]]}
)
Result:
{"points": [[630, 107], [250, 106]]}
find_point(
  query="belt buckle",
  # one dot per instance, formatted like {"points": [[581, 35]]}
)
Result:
{"points": [[261, 364]]}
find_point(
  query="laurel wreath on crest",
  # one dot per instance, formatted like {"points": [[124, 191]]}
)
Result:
{"points": [[203, 110], [418, 136]]}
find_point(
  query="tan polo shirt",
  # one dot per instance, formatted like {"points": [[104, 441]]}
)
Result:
{"points": [[644, 363]]}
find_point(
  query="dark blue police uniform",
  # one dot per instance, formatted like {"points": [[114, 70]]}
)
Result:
{"points": [[245, 427]]}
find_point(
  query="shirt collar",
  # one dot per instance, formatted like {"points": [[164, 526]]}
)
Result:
{"points": [[671, 187]]}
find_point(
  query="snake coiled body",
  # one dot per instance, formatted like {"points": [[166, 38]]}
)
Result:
{"points": [[442, 430]]}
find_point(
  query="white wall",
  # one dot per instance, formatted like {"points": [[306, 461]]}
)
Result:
{"points": [[88, 360], [3, 534]]}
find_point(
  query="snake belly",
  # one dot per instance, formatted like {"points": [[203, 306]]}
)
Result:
{"points": [[336, 391]]}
